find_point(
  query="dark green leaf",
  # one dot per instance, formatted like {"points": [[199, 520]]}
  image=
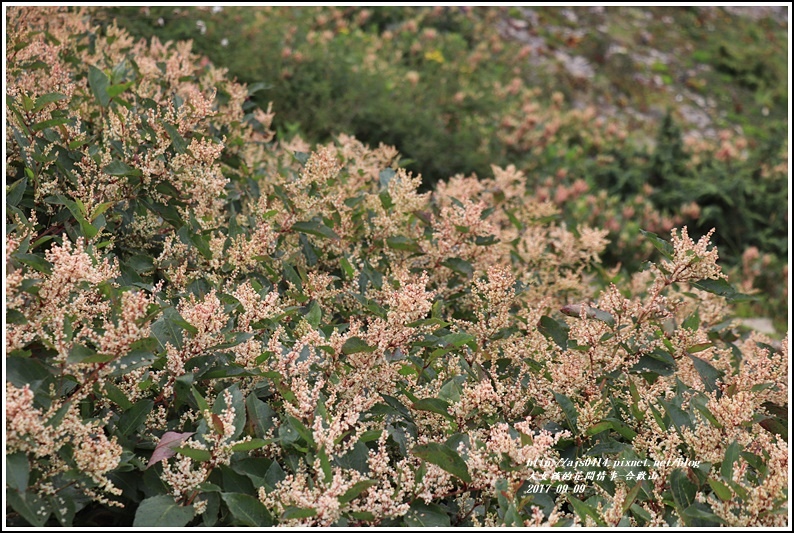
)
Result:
{"points": [[434, 405], [721, 490], [237, 403], [700, 515], [35, 261], [314, 315], [178, 142], [595, 429], [29, 505], [99, 83], [731, 457], [721, 287], [293, 513], [194, 453], [17, 471], [456, 340], [708, 374], [569, 410], [385, 177], [401, 242], [679, 417], [44, 124], [45, 99], [682, 488], [461, 266], [247, 510], [554, 330], [134, 417], [15, 191], [423, 514], [120, 168], [664, 247], [353, 492], [443, 457], [117, 396], [356, 345], [584, 510], [315, 228], [252, 444], [162, 511]]}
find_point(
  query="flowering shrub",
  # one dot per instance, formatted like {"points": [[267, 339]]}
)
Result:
{"points": [[208, 327], [495, 87]]}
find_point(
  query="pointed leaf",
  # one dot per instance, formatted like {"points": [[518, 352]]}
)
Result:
{"points": [[247, 510], [167, 446], [444, 457], [162, 511]]}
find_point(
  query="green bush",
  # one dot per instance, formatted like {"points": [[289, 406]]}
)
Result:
{"points": [[208, 327], [454, 96]]}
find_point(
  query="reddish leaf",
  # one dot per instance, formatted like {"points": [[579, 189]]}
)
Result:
{"points": [[165, 448]]}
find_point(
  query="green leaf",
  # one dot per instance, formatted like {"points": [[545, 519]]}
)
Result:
{"points": [[456, 340], [120, 168], [45, 99], [252, 444], [134, 417], [356, 345], [247, 510], [162, 511], [315, 228], [36, 262], [239, 408], [401, 242], [443, 457], [434, 405], [721, 287], [260, 415], [292, 513], [17, 471], [194, 453], [385, 177], [423, 514], [682, 488], [115, 90], [44, 124], [178, 142], [314, 315], [15, 191], [721, 490], [569, 410], [353, 492], [98, 81], [664, 247], [347, 267], [28, 506], [554, 330], [731, 457], [679, 417], [461, 266], [117, 396], [598, 428], [584, 510], [700, 515], [708, 374], [631, 496]]}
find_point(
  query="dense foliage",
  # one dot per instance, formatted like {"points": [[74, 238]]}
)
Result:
{"points": [[503, 86], [209, 326]]}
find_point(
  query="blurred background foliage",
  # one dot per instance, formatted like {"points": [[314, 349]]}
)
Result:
{"points": [[630, 118]]}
